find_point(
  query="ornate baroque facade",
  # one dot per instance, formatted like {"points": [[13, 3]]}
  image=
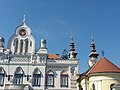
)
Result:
{"points": [[23, 67]]}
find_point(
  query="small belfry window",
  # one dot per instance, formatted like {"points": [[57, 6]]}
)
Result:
{"points": [[50, 79], [2, 74], [64, 79], [18, 76], [36, 77]]}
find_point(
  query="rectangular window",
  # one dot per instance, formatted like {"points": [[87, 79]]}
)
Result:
{"points": [[18, 78], [1, 79], [50, 80], [64, 80], [36, 80]]}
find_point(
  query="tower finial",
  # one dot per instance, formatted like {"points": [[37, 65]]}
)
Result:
{"points": [[24, 18], [92, 39], [72, 53], [72, 44], [103, 53], [72, 39], [92, 44]]}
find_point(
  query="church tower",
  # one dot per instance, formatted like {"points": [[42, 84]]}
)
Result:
{"points": [[93, 56], [22, 42], [72, 52]]}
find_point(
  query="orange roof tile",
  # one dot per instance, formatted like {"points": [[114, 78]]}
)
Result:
{"points": [[104, 66], [53, 56]]}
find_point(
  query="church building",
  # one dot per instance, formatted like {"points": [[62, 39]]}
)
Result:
{"points": [[101, 75], [23, 67]]}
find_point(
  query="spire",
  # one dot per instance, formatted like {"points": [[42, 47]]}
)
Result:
{"points": [[24, 20], [72, 44], [93, 54], [72, 52], [93, 45]]}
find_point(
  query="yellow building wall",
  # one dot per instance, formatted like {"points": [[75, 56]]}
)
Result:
{"points": [[106, 84], [102, 81]]}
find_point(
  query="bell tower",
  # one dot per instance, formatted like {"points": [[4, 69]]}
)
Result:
{"points": [[93, 56], [72, 52]]}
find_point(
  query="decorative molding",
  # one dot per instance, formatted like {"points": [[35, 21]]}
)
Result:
{"points": [[57, 66]]}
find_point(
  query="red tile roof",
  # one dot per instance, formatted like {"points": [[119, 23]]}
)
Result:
{"points": [[54, 56], [104, 66]]}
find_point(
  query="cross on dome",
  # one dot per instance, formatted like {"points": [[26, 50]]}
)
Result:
{"points": [[24, 18]]}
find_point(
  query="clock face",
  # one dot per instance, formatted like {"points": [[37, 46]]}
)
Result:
{"points": [[22, 32]]}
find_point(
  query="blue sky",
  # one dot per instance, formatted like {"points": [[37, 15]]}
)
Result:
{"points": [[57, 20]]}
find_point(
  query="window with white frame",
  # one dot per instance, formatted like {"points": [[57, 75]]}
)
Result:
{"points": [[50, 79], [2, 74], [18, 76], [36, 77], [64, 79]]}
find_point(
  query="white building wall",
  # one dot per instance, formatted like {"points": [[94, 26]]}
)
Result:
{"points": [[57, 72], [12, 69]]}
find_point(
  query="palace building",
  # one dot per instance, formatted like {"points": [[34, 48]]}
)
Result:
{"points": [[23, 67]]}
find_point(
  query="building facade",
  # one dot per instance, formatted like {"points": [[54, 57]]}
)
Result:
{"points": [[23, 67]]}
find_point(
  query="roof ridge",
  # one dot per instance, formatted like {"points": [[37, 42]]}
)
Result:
{"points": [[111, 63]]}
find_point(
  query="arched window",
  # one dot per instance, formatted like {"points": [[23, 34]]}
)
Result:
{"points": [[36, 77], [64, 79], [16, 45], [93, 86], [2, 74], [21, 46], [111, 86], [18, 76], [115, 86], [26, 48], [30, 43], [50, 78]]}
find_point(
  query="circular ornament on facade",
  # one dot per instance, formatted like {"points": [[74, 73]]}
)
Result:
{"points": [[22, 32]]}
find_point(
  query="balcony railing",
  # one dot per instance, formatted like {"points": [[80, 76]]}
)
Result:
{"points": [[17, 87]]}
